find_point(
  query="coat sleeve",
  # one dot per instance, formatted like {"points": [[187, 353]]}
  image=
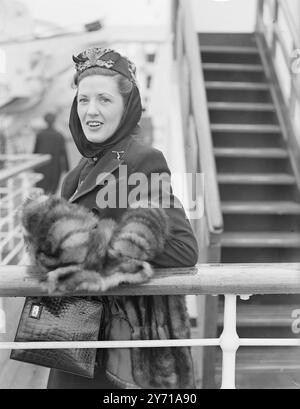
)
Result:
{"points": [[63, 156], [181, 249]]}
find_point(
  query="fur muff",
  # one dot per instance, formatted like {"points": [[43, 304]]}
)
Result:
{"points": [[76, 251]]}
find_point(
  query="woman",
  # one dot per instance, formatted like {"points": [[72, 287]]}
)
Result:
{"points": [[104, 124]]}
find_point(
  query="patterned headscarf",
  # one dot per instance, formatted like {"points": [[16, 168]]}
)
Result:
{"points": [[109, 59], [105, 58]]}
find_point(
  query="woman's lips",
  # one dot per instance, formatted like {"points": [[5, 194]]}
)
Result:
{"points": [[94, 124]]}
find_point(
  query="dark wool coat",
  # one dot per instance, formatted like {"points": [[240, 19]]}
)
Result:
{"points": [[152, 317], [51, 142]]}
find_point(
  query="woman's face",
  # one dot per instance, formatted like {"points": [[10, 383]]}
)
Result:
{"points": [[100, 107]]}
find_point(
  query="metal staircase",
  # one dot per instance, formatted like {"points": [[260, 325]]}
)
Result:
{"points": [[259, 193]]}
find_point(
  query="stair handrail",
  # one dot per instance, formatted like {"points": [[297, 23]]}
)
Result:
{"points": [[290, 22], [277, 37], [274, 7], [285, 79], [189, 48]]}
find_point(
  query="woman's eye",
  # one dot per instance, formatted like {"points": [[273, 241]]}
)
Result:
{"points": [[105, 100], [82, 100]]}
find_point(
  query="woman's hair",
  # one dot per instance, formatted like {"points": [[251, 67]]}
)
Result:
{"points": [[124, 84]]}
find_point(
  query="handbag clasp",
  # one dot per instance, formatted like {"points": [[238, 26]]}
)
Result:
{"points": [[35, 311]]}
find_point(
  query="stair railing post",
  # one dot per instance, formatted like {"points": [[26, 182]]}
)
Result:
{"points": [[2, 318], [5, 210], [275, 12], [259, 15], [229, 343], [26, 187], [10, 211]]}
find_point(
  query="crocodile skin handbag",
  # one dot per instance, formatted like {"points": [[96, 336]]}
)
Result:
{"points": [[60, 319]]}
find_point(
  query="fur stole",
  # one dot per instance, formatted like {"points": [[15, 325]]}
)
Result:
{"points": [[76, 251]]}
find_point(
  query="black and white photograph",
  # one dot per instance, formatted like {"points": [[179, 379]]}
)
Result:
{"points": [[149, 197]]}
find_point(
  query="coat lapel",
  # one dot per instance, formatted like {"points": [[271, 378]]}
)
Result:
{"points": [[108, 164], [70, 182]]}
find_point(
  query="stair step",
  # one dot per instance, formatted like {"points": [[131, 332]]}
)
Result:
{"points": [[279, 208], [264, 368], [241, 106], [261, 222], [233, 67], [224, 39], [251, 165], [261, 128], [233, 85], [230, 55], [263, 315], [266, 359], [246, 140], [228, 49], [251, 191], [251, 153], [243, 117], [282, 359], [261, 239], [238, 95], [278, 379], [235, 76], [247, 178], [260, 255]]}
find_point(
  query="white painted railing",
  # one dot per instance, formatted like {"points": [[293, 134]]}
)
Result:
{"points": [[16, 180], [229, 279]]}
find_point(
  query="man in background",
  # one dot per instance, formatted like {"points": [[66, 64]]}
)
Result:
{"points": [[49, 141]]}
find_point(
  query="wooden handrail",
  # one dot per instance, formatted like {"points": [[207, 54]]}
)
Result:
{"points": [[286, 103], [287, 57], [237, 279], [290, 22], [201, 117], [33, 161], [282, 5], [294, 32]]}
